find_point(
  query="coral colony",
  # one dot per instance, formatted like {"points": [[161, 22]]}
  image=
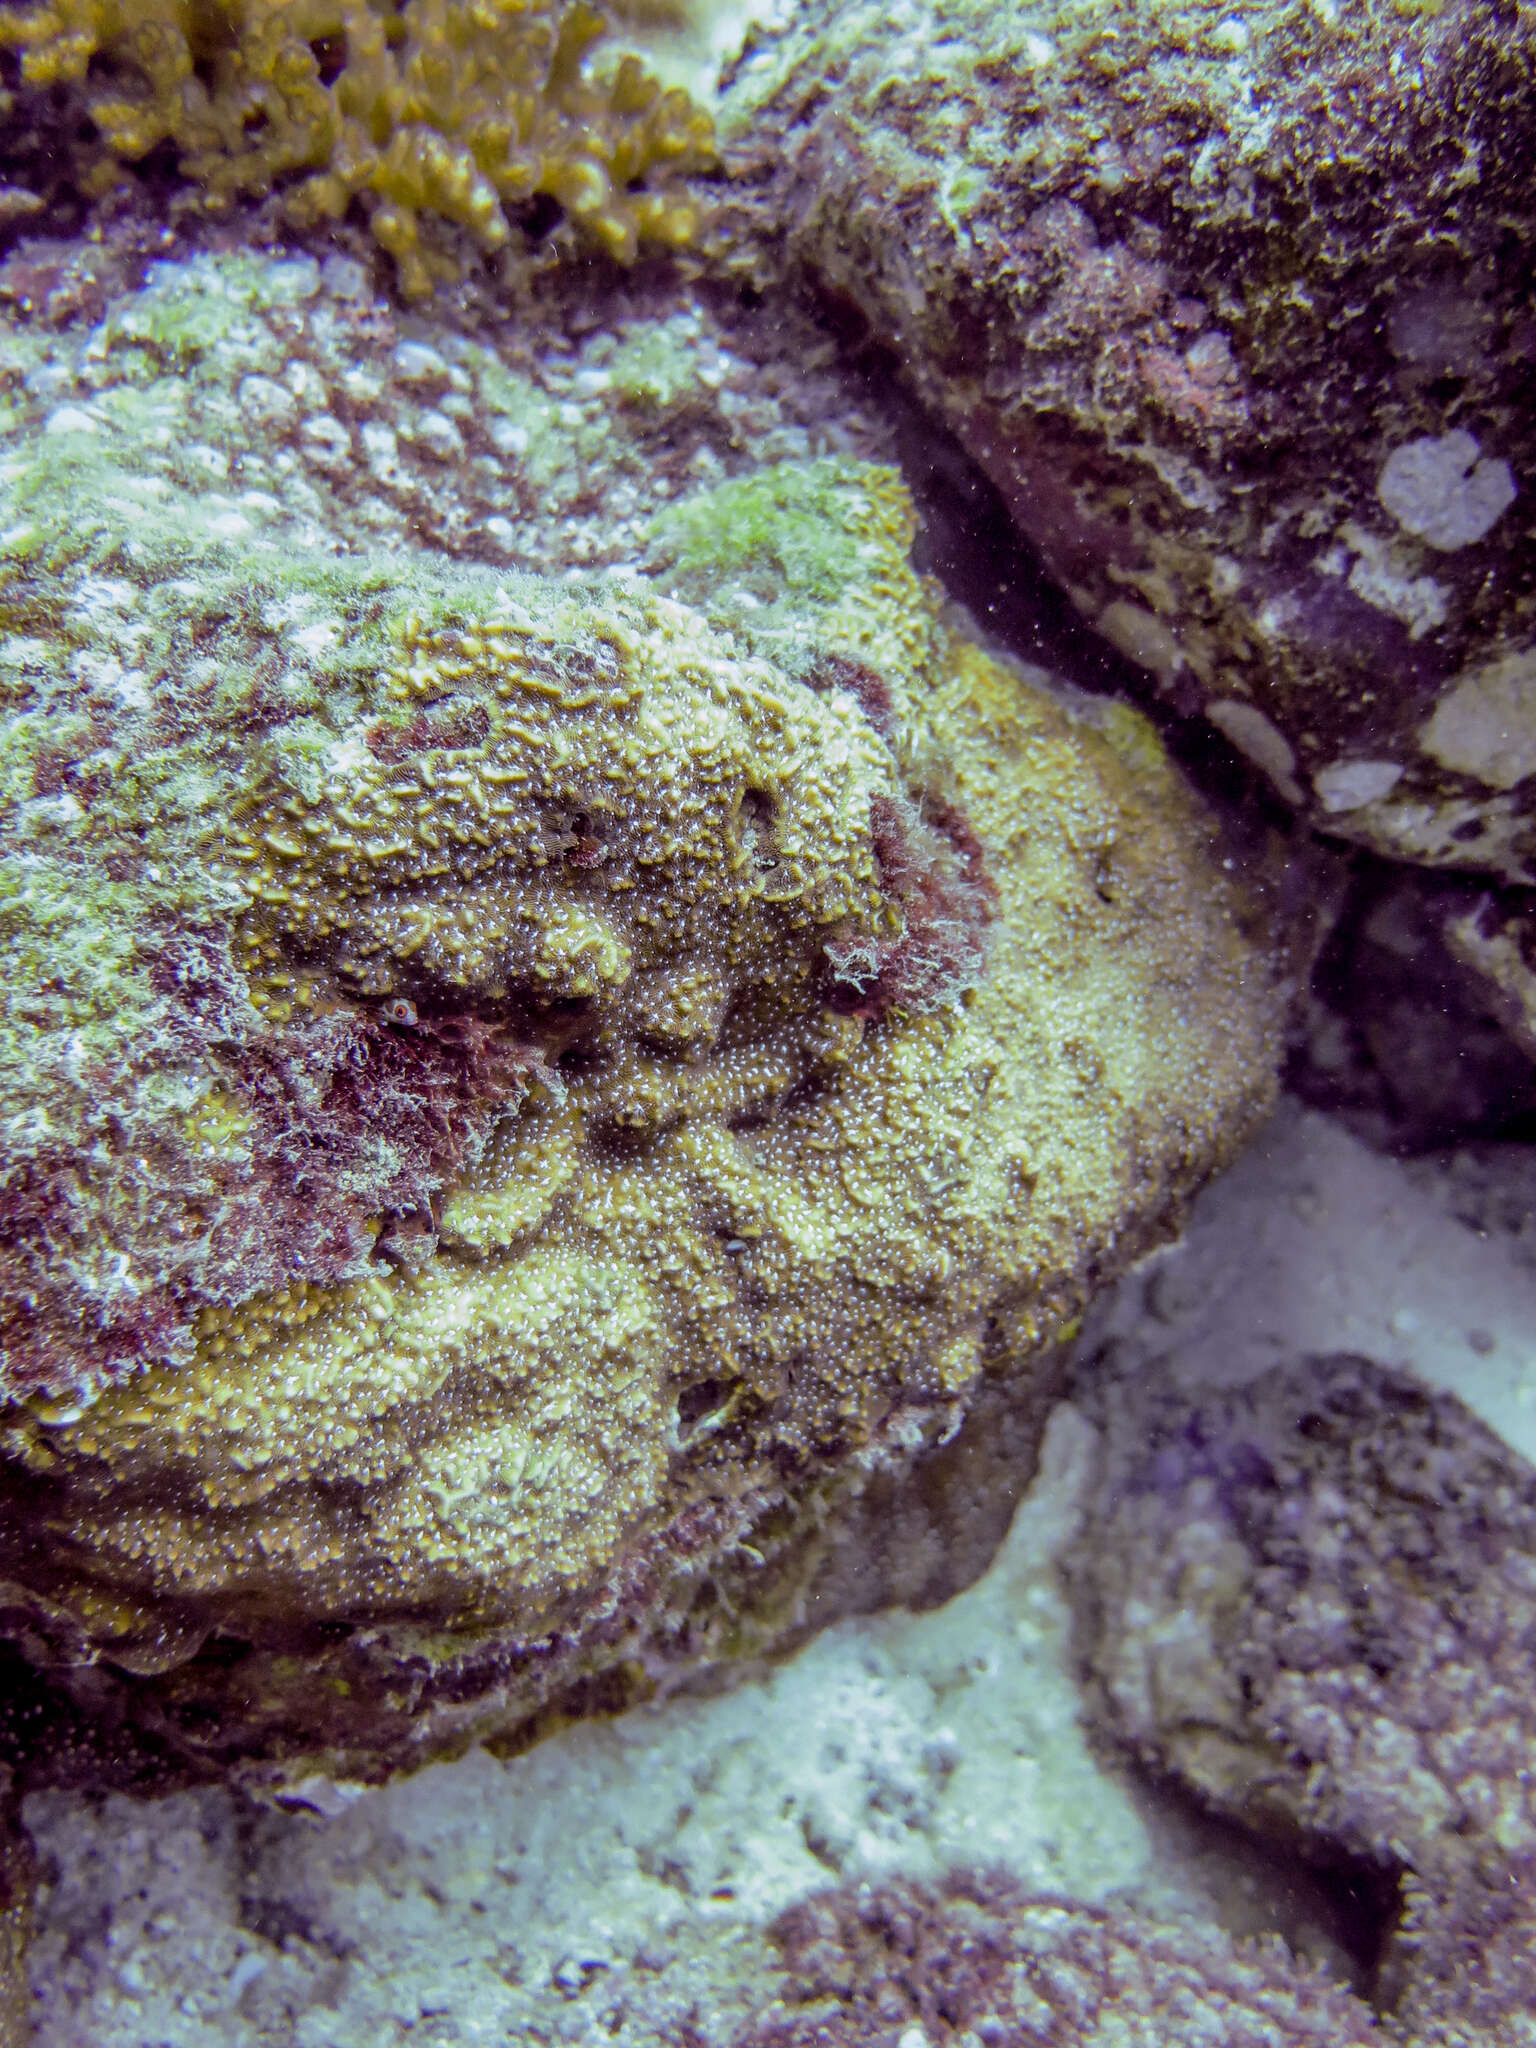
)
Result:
{"points": [[447, 126]]}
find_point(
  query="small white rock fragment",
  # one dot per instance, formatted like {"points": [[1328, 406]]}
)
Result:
{"points": [[1446, 491], [1382, 577], [1347, 785], [1142, 637], [1485, 723], [1265, 745]]}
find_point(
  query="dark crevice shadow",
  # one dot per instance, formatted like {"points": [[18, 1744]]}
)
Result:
{"points": [[1329, 1907], [968, 543]]}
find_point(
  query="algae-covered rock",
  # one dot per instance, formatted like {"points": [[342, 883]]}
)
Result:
{"points": [[1419, 1028], [1233, 304], [978, 1958], [1310, 1601], [528, 1098]]}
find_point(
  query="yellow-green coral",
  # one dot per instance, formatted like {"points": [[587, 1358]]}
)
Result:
{"points": [[442, 118], [634, 808], [712, 1031], [731, 1215]]}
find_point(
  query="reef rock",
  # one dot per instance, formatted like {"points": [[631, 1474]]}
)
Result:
{"points": [[1421, 1026], [980, 1959], [531, 1104], [1234, 309], [1313, 1603]]}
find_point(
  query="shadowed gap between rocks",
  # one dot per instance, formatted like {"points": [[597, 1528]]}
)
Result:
{"points": [[1418, 1058], [969, 544]]}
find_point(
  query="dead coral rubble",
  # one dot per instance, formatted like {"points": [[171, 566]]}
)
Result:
{"points": [[447, 123], [1313, 1602], [981, 1961]]}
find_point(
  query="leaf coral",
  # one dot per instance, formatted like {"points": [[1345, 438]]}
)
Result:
{"points": [[447, 121]]}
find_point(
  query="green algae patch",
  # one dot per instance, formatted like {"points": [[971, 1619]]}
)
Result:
{"points": [[786, 531]]}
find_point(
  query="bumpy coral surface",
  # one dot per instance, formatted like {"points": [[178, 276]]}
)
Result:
{"points": [[552, 1094], [447, 123], [1312, 1602], [1232, 304], [980, 1960], [280, 406]]}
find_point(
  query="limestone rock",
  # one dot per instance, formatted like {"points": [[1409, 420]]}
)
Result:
{"points": [[1310, 1601], [979, 1959], [1234, 309]]}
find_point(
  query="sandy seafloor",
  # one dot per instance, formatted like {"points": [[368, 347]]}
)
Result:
{"points": [[615, 1882]]}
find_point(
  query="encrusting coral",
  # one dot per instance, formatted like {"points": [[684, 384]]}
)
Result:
{"points": [[448, 121], [587, 1091], [1311, 1601], [246, 400]]}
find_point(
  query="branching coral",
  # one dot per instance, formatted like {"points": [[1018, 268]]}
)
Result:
{"points": [[445, 120]]}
